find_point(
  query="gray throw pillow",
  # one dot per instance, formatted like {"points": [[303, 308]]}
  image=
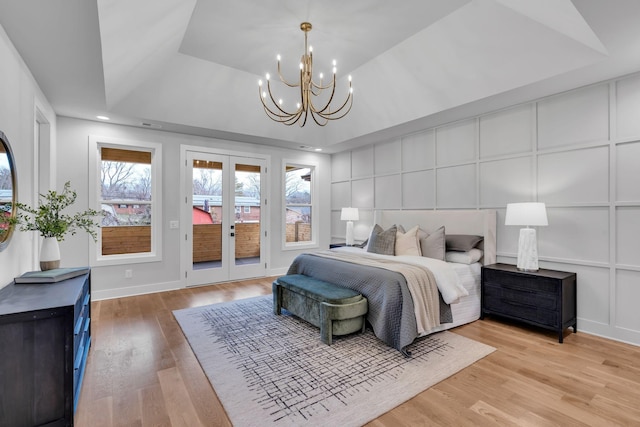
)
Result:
{"points": [[382, 241], [432, 244], [462, 242]]}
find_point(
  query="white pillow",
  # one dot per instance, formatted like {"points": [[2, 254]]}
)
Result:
{"points": [[407, 243], [468, 257]]}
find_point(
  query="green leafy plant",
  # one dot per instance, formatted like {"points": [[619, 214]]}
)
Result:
{"points": [[48, 219]]}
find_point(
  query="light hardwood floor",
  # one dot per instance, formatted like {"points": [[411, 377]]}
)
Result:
{"points": [[142, 372]]}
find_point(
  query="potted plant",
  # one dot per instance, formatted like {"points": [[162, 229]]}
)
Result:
{"points": [[53, 225]]}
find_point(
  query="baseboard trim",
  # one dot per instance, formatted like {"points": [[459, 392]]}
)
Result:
{"points": [[129, 291]]}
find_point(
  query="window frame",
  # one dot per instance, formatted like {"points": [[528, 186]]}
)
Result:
{"points": [[96, 143], [313, 243]]}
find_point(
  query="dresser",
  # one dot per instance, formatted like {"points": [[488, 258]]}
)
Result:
{"points": [[545, 298], [45, 331]]}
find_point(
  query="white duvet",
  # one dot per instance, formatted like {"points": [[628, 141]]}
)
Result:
{"points": [[447, 280]]}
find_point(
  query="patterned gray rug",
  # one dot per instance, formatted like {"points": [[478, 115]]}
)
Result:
{"points": [[272, 370]]}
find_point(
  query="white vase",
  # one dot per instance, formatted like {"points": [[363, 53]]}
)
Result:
{"points": [[49, 254]]}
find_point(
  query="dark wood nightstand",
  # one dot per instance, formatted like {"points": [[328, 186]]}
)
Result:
{"points": [[544, 298]]}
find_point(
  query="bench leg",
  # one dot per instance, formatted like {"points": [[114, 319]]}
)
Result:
{"points": [[326, 326], [330, 313], [276, 290]]}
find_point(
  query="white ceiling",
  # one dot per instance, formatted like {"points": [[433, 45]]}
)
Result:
{"points": [[193, 65]]}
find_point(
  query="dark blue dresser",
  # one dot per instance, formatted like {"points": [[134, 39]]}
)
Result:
{"points": [[45, 335]]}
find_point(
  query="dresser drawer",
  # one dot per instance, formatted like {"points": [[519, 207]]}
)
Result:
{"points": [[81, 319], [521, 296]]}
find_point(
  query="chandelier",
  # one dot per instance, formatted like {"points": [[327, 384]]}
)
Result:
{"points": [[310, 92]]}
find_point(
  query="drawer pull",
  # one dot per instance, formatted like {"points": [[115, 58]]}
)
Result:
{"points": [[514, 288], [78, 361], [78, 326], [516, 303]]}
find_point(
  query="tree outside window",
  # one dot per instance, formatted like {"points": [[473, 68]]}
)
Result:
{"points": [[126, 200]]}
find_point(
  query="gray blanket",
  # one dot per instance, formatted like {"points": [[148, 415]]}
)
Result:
{"points": [[391, 311]]}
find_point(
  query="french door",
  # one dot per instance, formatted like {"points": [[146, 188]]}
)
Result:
{"points": [[224, 218]]}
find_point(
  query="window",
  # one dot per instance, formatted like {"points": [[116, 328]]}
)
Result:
{"points": [[128, 195], [299, 210], [247, 209]]}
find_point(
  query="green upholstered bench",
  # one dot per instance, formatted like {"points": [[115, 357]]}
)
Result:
{"points": [[334, 309]]}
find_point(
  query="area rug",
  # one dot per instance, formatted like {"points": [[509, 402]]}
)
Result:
{"points": [[273, 370]]}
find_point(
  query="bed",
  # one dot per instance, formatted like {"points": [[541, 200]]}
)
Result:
{"points": [[391, 291]]}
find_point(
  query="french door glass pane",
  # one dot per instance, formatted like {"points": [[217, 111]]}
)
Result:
{"points": [[207, 214], [247, 214]]}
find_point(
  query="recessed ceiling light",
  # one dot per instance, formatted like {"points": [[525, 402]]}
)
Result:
{"points": [[150, 125], [102, 117], [318, 149]]}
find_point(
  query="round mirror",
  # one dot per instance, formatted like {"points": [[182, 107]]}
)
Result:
{"points": [[8, 190]]}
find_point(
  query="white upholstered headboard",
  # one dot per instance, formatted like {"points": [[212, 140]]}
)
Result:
{"points": [[478, 222]]}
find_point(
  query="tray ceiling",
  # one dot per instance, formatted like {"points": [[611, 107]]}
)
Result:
{"points": [[193, 65]]}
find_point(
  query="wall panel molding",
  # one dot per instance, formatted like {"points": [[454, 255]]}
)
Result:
{"points": [[577, 151]]}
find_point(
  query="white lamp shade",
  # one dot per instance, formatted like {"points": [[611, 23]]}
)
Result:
{"points": [[349, 214], [527, 214]]}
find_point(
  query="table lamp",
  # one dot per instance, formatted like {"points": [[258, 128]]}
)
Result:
{"points": [[527, 214], [349, 215]]}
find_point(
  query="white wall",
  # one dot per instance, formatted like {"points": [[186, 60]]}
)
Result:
{"points": [[19, 98], [66, 160], [579, 152], [109, 281]]}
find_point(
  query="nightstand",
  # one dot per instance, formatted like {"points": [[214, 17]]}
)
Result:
{"points": [[544, 298]]}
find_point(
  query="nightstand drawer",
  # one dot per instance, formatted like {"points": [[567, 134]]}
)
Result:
{"points": [[521, 311], [520, 282], [521, 296]]}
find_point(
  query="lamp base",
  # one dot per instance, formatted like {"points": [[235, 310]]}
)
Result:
{"points": [[527, 250], [349, 237]]}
